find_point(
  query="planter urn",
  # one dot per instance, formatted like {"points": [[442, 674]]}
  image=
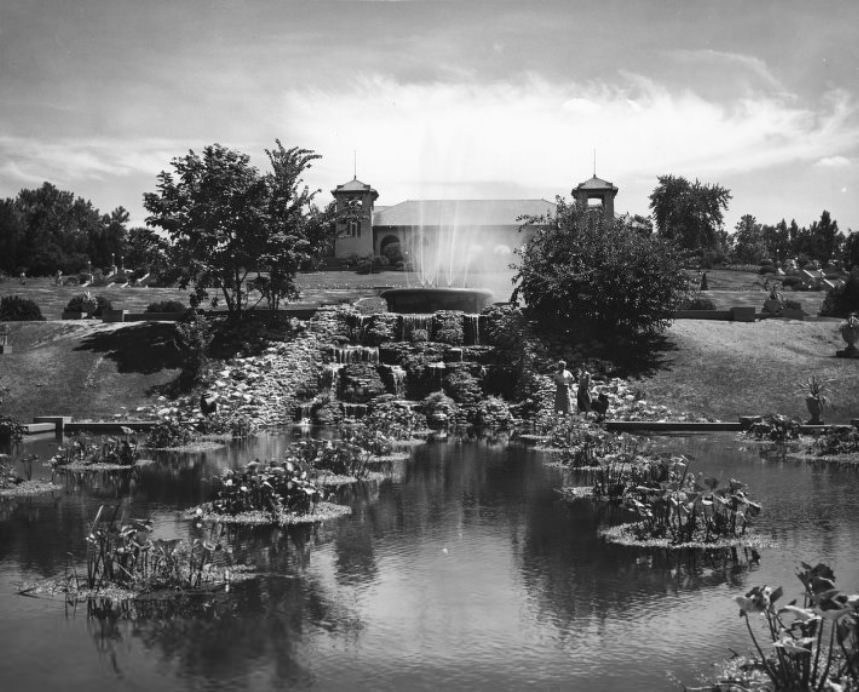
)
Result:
{"points": [[815, 409], [850, 334]]}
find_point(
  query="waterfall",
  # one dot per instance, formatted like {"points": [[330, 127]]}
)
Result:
{"points": [[353, 411], [355, 354], [416, 321], [472, 324], [331, 376], [396, 378]]}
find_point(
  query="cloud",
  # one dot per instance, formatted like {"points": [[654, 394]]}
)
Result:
{"points": [[411, 138], [71, 160], [731, 63], [832, 162]]}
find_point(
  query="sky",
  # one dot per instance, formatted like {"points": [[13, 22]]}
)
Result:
{"points": [[430, 99]]}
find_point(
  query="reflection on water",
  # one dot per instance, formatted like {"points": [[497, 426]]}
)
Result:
{"points": [[465, 572]]}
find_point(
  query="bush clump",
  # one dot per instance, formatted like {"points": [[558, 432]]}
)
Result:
{"points": [[83, 302], [584, 267], [166, 306], [448, 328], [168, 434], [18, 309], [843, 299]]}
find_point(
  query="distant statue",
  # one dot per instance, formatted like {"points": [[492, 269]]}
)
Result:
{"points": [[583, 395], [562, 378]]}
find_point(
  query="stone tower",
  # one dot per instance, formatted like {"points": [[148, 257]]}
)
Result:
{"points": [[596, 193], [354, 206]]}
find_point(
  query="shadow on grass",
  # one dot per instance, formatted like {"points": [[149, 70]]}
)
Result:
{"points": [[643, 358], [145, 348]]}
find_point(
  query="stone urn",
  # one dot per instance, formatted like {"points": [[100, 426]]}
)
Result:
{"points": [[814, 404], [850, 334]]}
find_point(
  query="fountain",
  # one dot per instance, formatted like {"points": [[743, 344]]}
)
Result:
{"points": [[443, 258]]}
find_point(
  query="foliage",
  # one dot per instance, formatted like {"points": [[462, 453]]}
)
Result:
{"points": [[166, 306], [843, 299], [46, 229], [124, 553], [11, 431], [516, 350], [169, 433], [698, 302], [586, 446], [394, 418], [381, 329], [689, 213], [463, 387], [340, 457], [192, 339], [439, 409], [447, 328], [749, 245], [226, 220], [687, 509], [83, 302], [272, 487], [835, 441], [776, 428], [18, 309], [83, 451], [493, 412], [580, 268], [360, 382], [814, 646]]}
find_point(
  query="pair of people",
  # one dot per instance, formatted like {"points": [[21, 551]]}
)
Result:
{"points": [[563, 378]]}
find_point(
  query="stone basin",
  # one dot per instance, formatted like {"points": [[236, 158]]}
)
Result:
{"points": [[428, 300]]}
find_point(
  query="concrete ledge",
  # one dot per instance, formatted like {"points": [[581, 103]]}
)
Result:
{"points": [[109, 426], [724, 315], [33, 428], [671, 426]]}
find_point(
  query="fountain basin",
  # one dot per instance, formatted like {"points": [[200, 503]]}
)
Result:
{"points": [[428, 300]]}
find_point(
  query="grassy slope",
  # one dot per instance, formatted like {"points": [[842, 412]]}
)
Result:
{"points": [[726, 369], [83, 369]]}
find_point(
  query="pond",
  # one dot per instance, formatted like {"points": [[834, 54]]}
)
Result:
{"points": [[467, 571]]}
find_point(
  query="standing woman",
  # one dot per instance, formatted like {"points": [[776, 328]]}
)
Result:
{"points": [[562, 378], [583, 395]]}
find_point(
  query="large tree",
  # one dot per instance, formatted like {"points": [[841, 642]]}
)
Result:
{"points": [[227, 221], [749, 244], [580, 265], [691, 214]]}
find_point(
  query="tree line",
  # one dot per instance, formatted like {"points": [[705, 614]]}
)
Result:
{"points": [[692, 214]]}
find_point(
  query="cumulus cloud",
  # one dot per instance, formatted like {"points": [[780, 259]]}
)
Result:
{"points": [[414, 139], [832, 162]]}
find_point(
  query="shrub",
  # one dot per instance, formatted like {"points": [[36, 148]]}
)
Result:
{"points": [[776, 428], [843, 299], [698, 303], [166, 306], [360, 382], [382, 328], [102, 304], [767, 269], [83, 302], [463, 387], [584, 268], [447, 328], [439, 409], [18, 309], [192, 338], [791, 281], [11, 432], [493, 412], [169, 434]]}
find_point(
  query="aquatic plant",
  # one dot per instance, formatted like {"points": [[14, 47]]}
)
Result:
{"points": [[271, 487], [341, 457], [112, 450], [776, 428], [124, 554], [684, 508], [835, 441], [169, 433], [813, 647]]}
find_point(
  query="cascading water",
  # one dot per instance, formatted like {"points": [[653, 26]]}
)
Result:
{"points": [[344, 355], [410, 323]]}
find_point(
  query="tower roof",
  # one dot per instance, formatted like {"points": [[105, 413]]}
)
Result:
{"points": [[354, 185], [595, 183]]}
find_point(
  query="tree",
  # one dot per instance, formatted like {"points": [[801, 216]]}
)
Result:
{"points": [[689, 213], [749, 245], [825, 238], [581, 266], [226, 220], [777, 240]]}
